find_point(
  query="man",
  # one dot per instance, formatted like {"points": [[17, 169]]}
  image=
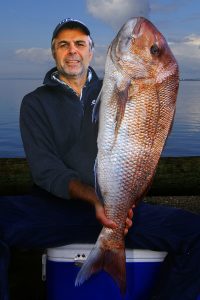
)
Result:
{"points": [[60, 144], [67, 154]]}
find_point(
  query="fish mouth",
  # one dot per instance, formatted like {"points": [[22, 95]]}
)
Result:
{"points": [[137, 28], [121, 44], [120, 47]]}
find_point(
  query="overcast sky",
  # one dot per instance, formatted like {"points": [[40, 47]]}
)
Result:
{"points": [[26, 27]]}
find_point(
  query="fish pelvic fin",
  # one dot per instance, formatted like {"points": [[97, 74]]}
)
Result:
{"points": [[113, 261], [97, 187], [95, 112]]}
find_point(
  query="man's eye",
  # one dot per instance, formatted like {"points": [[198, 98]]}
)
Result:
{"points": [[63, 45], [80, 44]]}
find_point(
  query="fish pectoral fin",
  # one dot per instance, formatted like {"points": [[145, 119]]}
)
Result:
{"points": [[121, 97], [113, 261]]}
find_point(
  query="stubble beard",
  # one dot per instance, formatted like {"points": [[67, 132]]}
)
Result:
{"points": [[66, 72]]}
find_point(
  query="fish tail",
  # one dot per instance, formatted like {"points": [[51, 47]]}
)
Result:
{"points": [[112, 261]]}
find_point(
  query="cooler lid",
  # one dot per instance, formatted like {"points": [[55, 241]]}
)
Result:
{"points": [[80, 251]]}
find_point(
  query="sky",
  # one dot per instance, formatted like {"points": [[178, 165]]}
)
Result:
{"points": [[26, 28]]}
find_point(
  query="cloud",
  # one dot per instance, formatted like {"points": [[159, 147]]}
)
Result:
{"points": [[192, 39], [188, 47], [37, 55], [187, 53], [117, 12]]}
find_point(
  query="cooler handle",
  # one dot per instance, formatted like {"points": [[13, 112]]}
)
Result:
{"points": [[44, 260]]}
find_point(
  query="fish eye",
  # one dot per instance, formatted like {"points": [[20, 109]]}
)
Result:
{"points": [[155, 50]]}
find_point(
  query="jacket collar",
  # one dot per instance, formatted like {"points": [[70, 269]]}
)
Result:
{"points": [[51, 74]]}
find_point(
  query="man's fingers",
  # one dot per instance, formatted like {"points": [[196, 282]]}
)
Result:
{"points": [[129, 218], [125, 231], [130, 213], [129, 223], [101, 217]]}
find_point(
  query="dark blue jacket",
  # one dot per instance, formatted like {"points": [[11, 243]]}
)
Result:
{"points": [[58, 134]]}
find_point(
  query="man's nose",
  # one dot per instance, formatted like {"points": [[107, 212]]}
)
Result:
{"points": [[72, 48]]}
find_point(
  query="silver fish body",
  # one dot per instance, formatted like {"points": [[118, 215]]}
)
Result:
{"points": [[137, 108]]}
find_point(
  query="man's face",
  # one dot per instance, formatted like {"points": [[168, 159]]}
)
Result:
{"points": [[72, 53]]}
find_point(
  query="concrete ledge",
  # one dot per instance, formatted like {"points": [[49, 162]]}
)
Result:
{"points": [[176, 183]]}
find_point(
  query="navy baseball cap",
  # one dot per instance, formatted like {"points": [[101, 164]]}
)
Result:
{"points": [[70, 23]]}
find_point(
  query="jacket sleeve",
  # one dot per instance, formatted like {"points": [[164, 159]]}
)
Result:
{"points": [[47, 168]]}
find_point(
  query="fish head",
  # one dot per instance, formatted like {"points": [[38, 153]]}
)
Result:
{"points": [[141, 51]]}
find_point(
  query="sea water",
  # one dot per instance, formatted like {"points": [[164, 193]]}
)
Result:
{"points": [[184, 139]]}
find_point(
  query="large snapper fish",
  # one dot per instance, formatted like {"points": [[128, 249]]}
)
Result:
{"points": [[137, 106]]}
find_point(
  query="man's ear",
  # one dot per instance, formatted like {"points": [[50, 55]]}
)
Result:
{"points": [[91, 55], [53, 53]]}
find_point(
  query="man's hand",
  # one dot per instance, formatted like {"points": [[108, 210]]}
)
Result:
{"points": [[101, 217], [82, 191]]}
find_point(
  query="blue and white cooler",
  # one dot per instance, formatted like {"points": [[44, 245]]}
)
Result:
{"points": [[63, 264]]}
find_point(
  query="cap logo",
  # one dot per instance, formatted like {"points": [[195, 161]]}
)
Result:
{"points": [[70, 20]]}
